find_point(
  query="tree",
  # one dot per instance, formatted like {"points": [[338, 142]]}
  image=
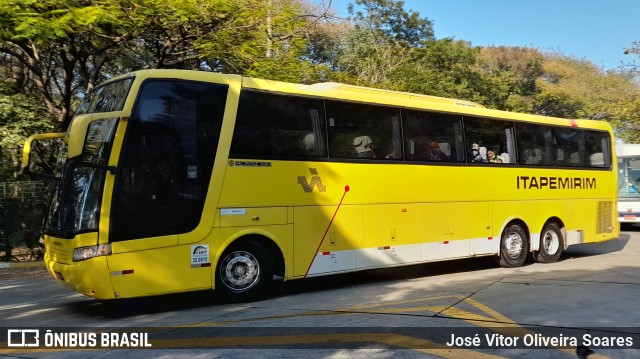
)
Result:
{"points": [[54, 41], [633, 66], [585, 91], [66, 47], [383, 35], [63, 48], [279, 47], [446, 68], [20, 116], [553, 84], [516, 69]]}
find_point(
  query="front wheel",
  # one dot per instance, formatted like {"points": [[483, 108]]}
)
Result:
{"points": [[245, 271], [514, 246], [551, 244]]}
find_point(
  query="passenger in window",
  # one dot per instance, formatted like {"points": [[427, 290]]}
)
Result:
{"points": [[309, 143], [435, 152], [364, 147], [492, 157], [474, 154], [530, 157]]}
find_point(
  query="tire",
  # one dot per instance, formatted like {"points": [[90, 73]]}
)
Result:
{"points": [[551, 244], [245, 271], [514, 247]]}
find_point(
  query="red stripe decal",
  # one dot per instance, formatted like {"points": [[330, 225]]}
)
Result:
{"points": [[346, 189]]}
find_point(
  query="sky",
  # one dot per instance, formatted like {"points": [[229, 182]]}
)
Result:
{"points": [[594, 30]]}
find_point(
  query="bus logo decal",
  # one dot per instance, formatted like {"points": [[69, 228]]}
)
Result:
{"points": [[531, 182], [315, 182]]}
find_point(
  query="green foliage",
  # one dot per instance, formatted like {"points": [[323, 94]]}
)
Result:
{"points": [[633, 66], [446, 68], [384, 35], [556, 85], [580, 89], [296, 71], [21, 115], [515, 69], [392, 23]]}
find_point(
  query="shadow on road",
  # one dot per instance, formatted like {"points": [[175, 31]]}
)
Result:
{"points": [[592, 249]]}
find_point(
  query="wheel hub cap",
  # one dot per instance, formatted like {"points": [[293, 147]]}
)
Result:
{"points": [[514, 245], [240, 271], [551, 242]]}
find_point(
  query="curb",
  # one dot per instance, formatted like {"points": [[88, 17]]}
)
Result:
{"points": [[22, 264]]}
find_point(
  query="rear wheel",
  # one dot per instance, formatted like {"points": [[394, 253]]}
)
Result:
{"points": [[551, 244], [245, 271], [514, 246]]}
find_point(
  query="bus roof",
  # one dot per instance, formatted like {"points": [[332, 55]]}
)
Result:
{"points": [[627, 150], [346, 92], [398, 94]]}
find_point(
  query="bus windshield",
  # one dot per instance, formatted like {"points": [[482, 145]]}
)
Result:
{"points": [[76, 199], [629, 178]]}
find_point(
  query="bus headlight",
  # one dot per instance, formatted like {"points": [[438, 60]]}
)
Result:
{"points": [[82, 253]]}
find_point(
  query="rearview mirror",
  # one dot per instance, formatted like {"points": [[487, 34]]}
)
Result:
{"points": [[39, 154]]}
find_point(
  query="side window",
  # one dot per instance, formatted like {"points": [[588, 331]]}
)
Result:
{"points": [[363, 131], [535, 145], [107, 98], [489, 140], [598, 147], [569, 147], [167, 158], [275, 125], [431, 136]]}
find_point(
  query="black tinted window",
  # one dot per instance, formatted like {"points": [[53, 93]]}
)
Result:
{"points": [[598, 148], [274, 125], [535, 145], [432, 136], [363, 131], [486, 136], [167, 159], [569, 147]]}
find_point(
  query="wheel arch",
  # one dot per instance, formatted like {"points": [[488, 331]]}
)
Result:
{"points": [[265, 238]]}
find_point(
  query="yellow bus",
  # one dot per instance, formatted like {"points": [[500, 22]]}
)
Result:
{"points": [[172, 181]]}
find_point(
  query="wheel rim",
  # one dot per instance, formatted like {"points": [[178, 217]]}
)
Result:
{"points": [[240, 271], [514, 245], [551, 242]]}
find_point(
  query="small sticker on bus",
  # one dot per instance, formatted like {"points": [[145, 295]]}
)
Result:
{"points": [[232, 211], [199, 254]]}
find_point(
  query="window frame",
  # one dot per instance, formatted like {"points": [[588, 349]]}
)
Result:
{"points": [[462, 145]]}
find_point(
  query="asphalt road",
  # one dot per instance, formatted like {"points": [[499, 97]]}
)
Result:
{"points": [[410, 312]]}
